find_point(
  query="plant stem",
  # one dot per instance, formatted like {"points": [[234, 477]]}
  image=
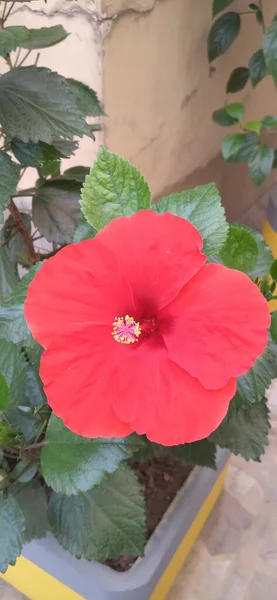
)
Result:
{"points": [[24, 58], [17, 57], [44, 424], [260, 4], [37, 59], [14, 479], [3, 15], [22, 193], [32, 446], [8, 60], [4, 18], [247, 12], [24, 232]]}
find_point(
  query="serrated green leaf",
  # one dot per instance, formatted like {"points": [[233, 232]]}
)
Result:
{"points": [[22, 416], [8, 180], [114, 188], [72, 464], [44, 37], [7, 436], [221, 117], [219, 5], [257, 67], [13, 326], [222, 34], [12, 531], [260, 163], [4, 393], [273, 270], [27, 475], [13, 367], [237, 147], [265, 257], [33, 155], [235, 110], [252, 386], [65, 147], [202, 207], [253, 126], [273, 326], [8, 278], [37, 104], [240, 250], [76, 174], [56, 210], [34, 352], [31, 498], [83, 231], [12, 38], [86, 98], [270, 48], [103, 523], [244, 431], [237, 80], [269, 122], [202, 453]]}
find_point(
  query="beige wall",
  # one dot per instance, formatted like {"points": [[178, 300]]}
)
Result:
{"points": [[158, 89]]}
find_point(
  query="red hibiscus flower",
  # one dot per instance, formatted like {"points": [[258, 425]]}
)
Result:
{"points": [[140, 334]]}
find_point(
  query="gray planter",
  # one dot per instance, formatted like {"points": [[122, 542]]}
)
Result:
{"points": [[94, 581]]}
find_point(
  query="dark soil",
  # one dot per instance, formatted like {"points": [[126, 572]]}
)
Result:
{"points": [[161, 478]]}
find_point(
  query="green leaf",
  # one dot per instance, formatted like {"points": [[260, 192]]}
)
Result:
{"points": [[222, 34], [253, 126], [273, 326], [86, 99], [269, 122], [114, 188], [14, 241], [237, 147], [257, 67], [76, 174], [270, 48], [23, 416], [4, 393], [56, 210], [103, 523], [12, 531], [252, 386], [265, 257], [83, 231], [202, 453], [259, 17], [27, 475], [37, 104], [8, 180], [245, 431], [8, 278], [65, 147], [260, 163], [71, 463], [33, 155], [44, 37], [237, 80], [11, 38], [240, 250], [7, 435], [219, 5], [235, 110], [13, 367], [13, 326], [202, 207], [32, 501], [221, 117], [273, 270]]}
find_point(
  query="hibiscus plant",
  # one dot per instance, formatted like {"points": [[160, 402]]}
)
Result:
{"points": [[251, 141], [148, 336]]}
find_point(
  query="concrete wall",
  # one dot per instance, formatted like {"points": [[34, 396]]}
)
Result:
{"points": [[147, 59]]}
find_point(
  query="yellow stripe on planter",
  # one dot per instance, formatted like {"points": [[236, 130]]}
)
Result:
{"points": [[172, 570], [37, 584], [270, 237]]}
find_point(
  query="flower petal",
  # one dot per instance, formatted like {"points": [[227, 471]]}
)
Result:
{"points": [[163, 401], [80, 381], [158, 254], [216, 328], [82, 283]]}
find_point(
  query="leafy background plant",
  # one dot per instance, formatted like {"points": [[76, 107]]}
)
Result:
{"points": [[95, 506], [252, 141]]}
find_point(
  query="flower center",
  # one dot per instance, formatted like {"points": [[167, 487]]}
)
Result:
{"points": [[126, 330]]}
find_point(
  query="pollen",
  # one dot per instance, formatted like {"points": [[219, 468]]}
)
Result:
{"points": [[126, 330]]}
